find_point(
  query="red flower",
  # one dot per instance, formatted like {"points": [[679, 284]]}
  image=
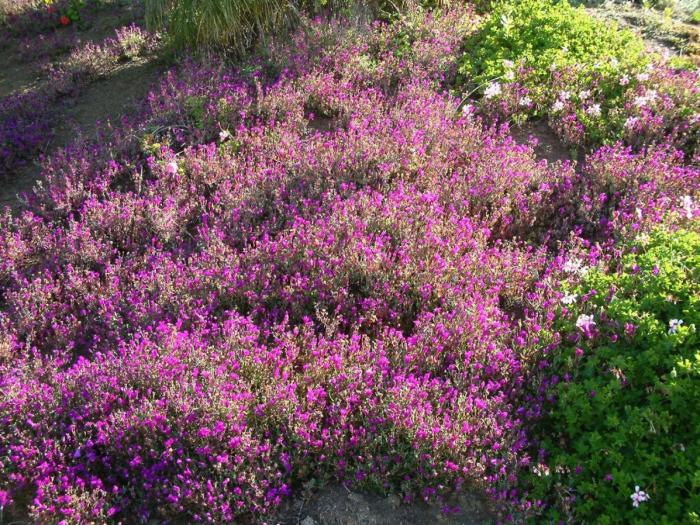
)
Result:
{"points": [[64, 20]]}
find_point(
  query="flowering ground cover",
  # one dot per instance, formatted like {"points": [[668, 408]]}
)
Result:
{"points": [[323, 263]]}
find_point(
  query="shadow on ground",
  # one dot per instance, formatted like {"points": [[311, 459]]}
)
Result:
{"points": [[336, 505]]}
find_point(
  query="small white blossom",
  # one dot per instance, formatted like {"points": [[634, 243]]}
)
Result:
{"points": [[553, 67], [584, 95], [565, 49], [575, 266], [638, 211], [640, 101], [509, 75], [557, 106], [674, 325], [467, 109], [614, 62], [525, 101], [171, 168], [630, 122], [585, 322], [638, 496], [493, 90], [624, 80], [688, 206], [564, 95], [508, 64], [569, 299], [224, 135], [593, 110], [541, 470], [642, 77]]}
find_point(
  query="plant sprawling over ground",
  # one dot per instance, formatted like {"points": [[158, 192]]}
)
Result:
{"points": [[318, 265], [624, 408]]}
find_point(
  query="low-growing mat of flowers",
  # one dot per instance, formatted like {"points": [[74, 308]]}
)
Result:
{"points": [[323, 264]]}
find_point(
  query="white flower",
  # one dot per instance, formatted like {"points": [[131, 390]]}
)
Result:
{"points": [[565, 49], [638, 496], [640, 101], [584, 95], [557, 106], [569, 298], [624, 80], [224, 135], [593, 110], [508, 64], [525, 101], [638, 211], [541, 470], [630, 122], [688, 206], [564, 95], [171, 168], [614, 62], [642, 77], [674, 325], [509, 75], [467, 109], [585, 322], [493, 89], [652, 94], [553, 67], [575, 266]]}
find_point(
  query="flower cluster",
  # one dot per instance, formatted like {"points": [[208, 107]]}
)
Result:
{"points": [[312, 267]]}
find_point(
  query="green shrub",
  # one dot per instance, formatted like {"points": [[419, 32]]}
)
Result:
{"points": [[625, 413], [695, 17], [542, 35]]}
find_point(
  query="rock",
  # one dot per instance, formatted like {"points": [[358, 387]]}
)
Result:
{"points": [[308, 520]]}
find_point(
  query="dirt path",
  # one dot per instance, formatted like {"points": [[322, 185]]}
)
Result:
{"points": [[337, 505], [105, 100], [549, 146], [117, 93]]}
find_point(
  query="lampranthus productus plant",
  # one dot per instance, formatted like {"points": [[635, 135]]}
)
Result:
{"points": [[313, 267]]}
